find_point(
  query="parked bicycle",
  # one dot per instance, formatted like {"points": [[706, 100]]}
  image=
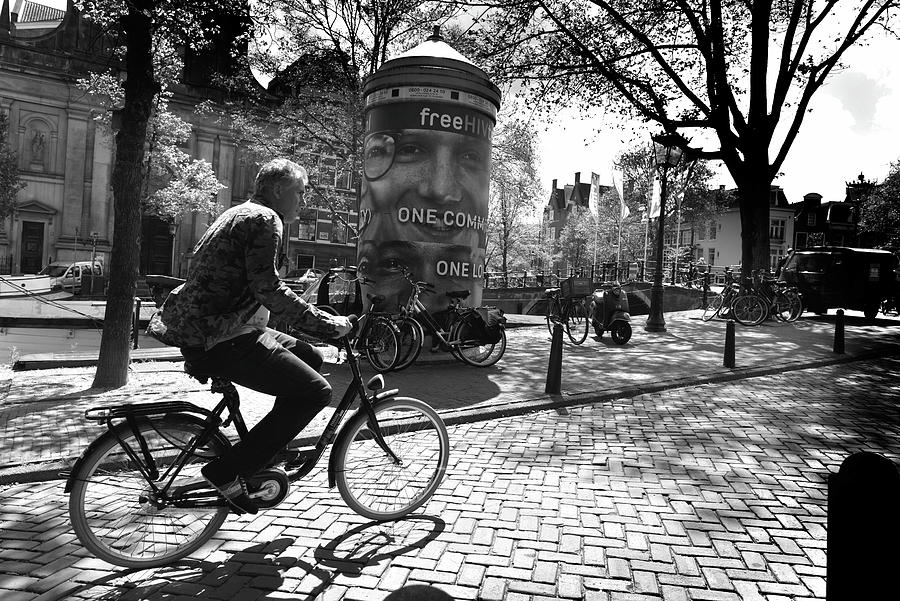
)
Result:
{"points": [[377, 337], [782, 301], [137, 498], [735, 303], [467, 332], [568, 306]]}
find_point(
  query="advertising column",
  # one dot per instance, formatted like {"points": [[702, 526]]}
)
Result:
{"points": [[430, 115]]}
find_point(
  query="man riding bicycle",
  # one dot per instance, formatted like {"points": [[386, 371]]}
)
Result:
{"points": [[218, 318]]}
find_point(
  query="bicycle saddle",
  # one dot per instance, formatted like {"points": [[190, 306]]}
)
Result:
{"points": [[201, 376], [460, 294], [551, 290]]}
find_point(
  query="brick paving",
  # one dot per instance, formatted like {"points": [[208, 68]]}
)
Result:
{"points": [[656, 474], [41, 412], [709, 492]]}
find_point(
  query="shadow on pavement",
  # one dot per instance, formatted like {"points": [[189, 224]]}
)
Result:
{"points": [[263, 567]]}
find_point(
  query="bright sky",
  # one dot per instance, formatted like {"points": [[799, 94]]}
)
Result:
{"points": [[854, 127]]}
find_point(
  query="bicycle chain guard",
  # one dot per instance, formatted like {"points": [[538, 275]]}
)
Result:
{"points": [[268, 488]]}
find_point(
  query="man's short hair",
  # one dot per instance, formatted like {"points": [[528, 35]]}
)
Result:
{"points": [[276, 170]]}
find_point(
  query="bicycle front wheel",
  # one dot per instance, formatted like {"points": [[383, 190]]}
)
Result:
{"points": [[409, 342], [123, 518], [468, 345], [382, 485], [380, 343], [749, 310], [577, 322], [713, 307], [552, 313]]}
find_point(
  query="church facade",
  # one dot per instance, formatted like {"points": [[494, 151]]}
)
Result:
{"points": [[65, 211]]}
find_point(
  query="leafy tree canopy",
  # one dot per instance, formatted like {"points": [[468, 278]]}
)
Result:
{"points": [[10, 183], [741, 75], [880, 212]]}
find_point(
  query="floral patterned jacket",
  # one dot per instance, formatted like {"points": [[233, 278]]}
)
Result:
{"points": [[234, 272]]}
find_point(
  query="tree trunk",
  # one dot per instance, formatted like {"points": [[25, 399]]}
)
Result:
{"points": [[754, 207], [127, 176]]}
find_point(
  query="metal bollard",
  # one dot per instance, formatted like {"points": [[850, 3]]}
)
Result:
{"points": [[839, 332], [863, 528], [554, 369], [136, 322], [729, 344]]}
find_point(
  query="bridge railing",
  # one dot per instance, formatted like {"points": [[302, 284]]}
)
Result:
{"points": [[690, 274]]}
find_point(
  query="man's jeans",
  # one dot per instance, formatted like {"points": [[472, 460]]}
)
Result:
{"points": [[273, 363]]}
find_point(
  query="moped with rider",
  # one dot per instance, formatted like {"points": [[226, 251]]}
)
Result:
{"points": [[609, 312]]}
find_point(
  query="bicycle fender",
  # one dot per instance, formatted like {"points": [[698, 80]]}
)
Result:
{"points": [[332, 458], [115, 433]]}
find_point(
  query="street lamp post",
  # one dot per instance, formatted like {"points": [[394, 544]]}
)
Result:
{"points": [[668, 151]]}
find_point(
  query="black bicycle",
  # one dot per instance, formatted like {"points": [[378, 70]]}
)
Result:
{"points": [[569, 310], [465, 333], [137, 498]]}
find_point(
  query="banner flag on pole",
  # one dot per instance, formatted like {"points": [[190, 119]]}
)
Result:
{"points": [[594, 196], [624, 212], [654, 200]]}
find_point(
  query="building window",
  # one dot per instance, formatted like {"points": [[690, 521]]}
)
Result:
{"points": [[669, 239], [701, 233], [711, 256], [304, 261], [306, 222], [775, 255], [338, 229], [811, 219], [801, 240], [776, 229], [712, 230]]}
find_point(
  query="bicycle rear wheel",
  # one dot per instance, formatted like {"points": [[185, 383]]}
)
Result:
{"points": [[370, 481], [124, 520], [577, 322], [469, 347], [713, 307], [379, 342], [794, 305], [749, 310], [410, 342]]}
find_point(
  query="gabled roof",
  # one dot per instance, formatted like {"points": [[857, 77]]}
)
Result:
{"points": [[32, 12]]}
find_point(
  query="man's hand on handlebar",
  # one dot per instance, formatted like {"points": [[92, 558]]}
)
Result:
{"points": [[342, 325]]}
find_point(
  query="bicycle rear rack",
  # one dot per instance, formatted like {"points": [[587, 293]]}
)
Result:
{"points": [[100, 414]]}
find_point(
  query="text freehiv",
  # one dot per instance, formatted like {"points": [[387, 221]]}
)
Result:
{"points": [[466, 123]]}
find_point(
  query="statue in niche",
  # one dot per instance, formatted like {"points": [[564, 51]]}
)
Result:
{"points": [[37, 148]]}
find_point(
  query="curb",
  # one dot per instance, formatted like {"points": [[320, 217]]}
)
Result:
{"points": [[51, 470]]}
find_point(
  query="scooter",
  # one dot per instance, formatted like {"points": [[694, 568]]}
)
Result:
{"points": [[609, 311]]}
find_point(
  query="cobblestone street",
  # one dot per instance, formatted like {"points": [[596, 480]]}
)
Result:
{"points": [[712, 492]]}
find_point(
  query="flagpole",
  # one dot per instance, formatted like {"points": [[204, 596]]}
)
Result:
{"points": [[677, 238]]}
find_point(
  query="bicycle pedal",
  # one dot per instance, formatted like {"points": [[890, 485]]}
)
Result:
{"points": [[297, 456]]}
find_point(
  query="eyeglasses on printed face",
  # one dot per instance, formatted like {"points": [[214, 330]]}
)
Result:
{"points": [[378, 154]]}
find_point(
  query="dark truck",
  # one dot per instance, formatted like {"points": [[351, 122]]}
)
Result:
{"points": [[839, 277]]}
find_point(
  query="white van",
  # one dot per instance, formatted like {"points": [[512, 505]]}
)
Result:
{"points": [[67, 275]]}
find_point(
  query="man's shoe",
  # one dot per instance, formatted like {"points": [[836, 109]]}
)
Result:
{"points": [[233, 491]]}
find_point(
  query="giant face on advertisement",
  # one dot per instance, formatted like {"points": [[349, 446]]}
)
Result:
{"points": [[424, 200], [450, 267]]}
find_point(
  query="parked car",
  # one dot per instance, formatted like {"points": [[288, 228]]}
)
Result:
{"points": [[301, 279], [338, 289], [68, 275], [839, 277]]}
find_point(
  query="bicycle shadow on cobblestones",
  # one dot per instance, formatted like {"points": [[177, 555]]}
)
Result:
{"points": [[264, 567]]}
